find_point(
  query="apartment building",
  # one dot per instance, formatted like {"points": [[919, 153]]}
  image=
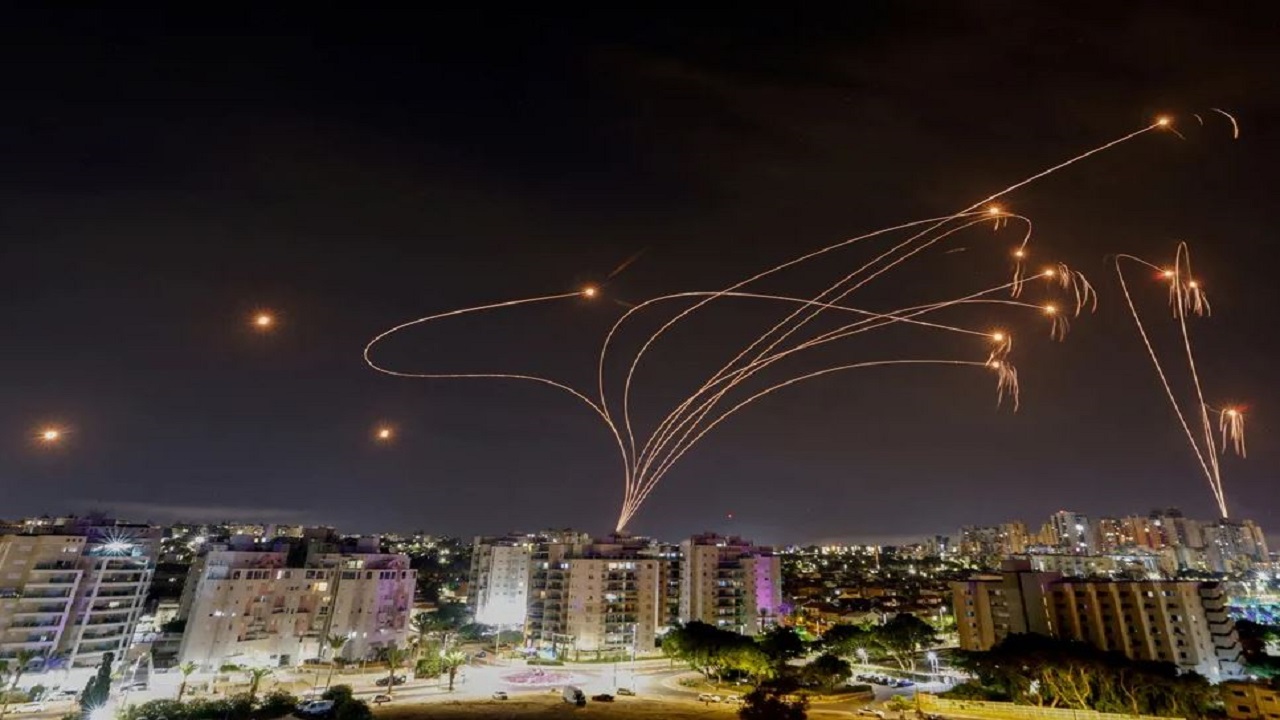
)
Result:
{"points": [[605, 596], [729, 583], [73, 590], [1181, 622], [1251, 701], [499, 579], [244, 604]]}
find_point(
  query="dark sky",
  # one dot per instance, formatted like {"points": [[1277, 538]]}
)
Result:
{"points": [[165, 175]]}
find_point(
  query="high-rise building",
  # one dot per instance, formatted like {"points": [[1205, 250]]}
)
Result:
{"points": [[1181, 622], [498, 584], [245, 603], [730, 583], [1233, 546], [1072, 532], [74, 587], [602, 597]]}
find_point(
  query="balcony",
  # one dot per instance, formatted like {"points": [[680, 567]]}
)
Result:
{"points": [[54, 581], [59, 565], [42, 610]]}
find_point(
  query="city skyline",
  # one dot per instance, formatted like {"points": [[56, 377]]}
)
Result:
{"points": [[199, 249]]}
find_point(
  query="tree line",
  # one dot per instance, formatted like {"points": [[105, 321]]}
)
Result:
{"points": [[1045, 671]]}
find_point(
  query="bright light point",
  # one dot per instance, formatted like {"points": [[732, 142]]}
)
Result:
{"points": [[384, 433], [1167, 274], [1049, 273], [1018, 253], [1232, 412], [998, 337], [51, 435], [1050, 309], [589, 291], [994, 364], [262, 321], [994, 210], [1193, 284], [1162, 121]]}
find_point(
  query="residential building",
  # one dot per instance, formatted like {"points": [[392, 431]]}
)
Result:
{"points": [[245, 603], [730, 583], [499, 580], [1232, 546], [605, 596], [1072, 532], [1181, 622], [1251, 701], [73, 588]]}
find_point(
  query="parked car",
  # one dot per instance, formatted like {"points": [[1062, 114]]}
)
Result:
{"points": [[626, 691], [381, 698], [134, 686], [315, 707], [385, 681], [708, 698], [30, 707], [904, 683], [733, 699], [500, 695], [602, 697], [871, 712], [573, 696]]}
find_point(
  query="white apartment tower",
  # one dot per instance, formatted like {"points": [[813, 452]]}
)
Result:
{"points": [[499, 580], [245, 606], [729, 583]]}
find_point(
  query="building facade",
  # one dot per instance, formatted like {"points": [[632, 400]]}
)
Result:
{"points": [[729, 583], [247, 606], [499, 580], [73, 590], [1181, 622]]}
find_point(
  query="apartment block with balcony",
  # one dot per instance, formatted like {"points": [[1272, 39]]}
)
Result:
{"points": [[498, 592], [606, 596], [1179, 622], [730, 583], [39, 579], [248, 606], [73, 590]]}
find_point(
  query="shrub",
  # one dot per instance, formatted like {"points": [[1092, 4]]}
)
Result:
{"points": [[353, 710], [275, 704]]}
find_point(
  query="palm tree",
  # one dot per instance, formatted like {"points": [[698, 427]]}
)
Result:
{"points": [[255, 678], [22, 658], [395, 660], [335, 643], [451, 661], [186, 669], [423, 625]]}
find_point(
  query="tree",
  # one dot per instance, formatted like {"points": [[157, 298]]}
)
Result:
{"points": [[423, 625], [450, 662], [772, 703], [255, 678], [846, 640], [395, 660], [334, 643], [827, 671], [98, 689], [448, 619], [782, 644], [21, 659], [186, 668], [903, 637], [747, 657]]}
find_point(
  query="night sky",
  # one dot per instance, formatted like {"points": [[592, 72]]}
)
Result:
{"points": [[163, 176]]}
